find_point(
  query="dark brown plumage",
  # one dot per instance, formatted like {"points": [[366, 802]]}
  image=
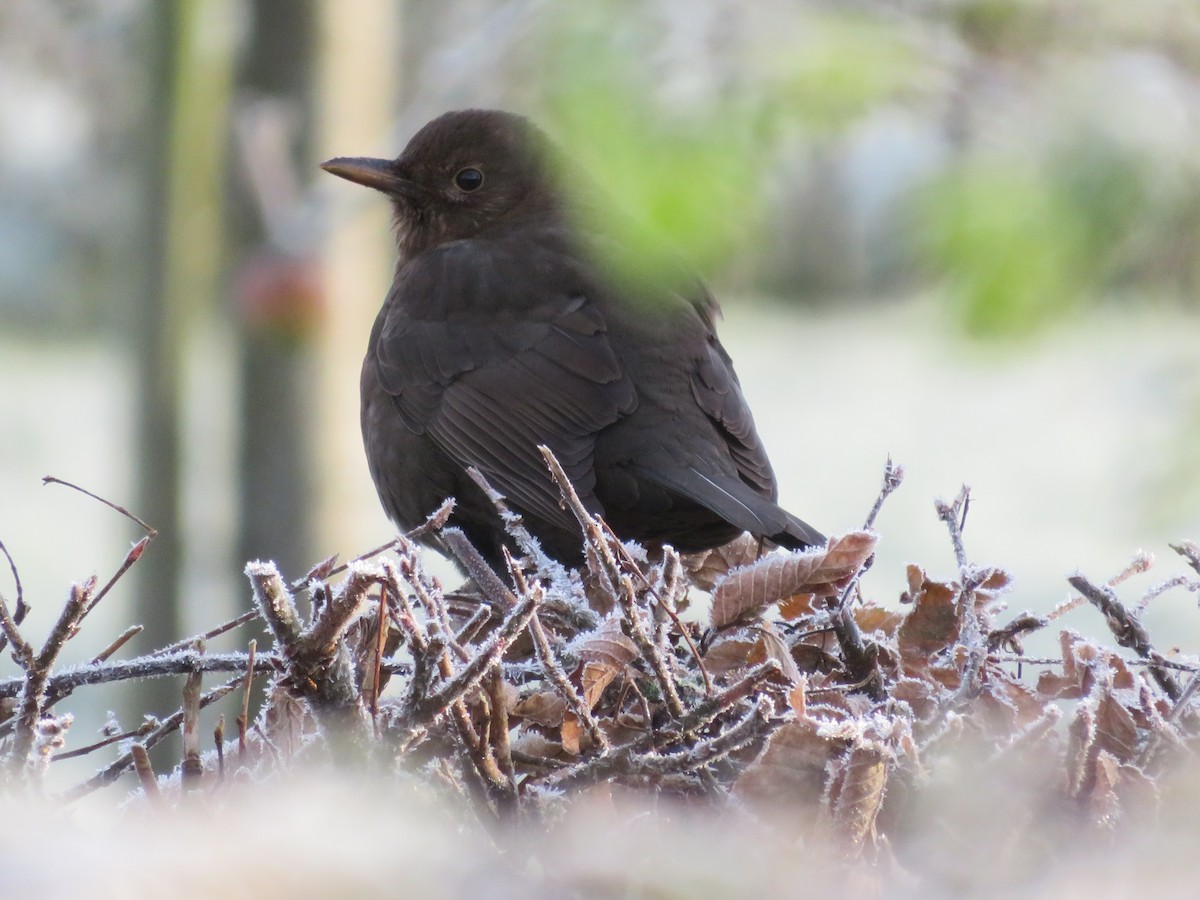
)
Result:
{"points": [[504, 330]]}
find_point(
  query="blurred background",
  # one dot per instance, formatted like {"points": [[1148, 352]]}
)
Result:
{"points": [[966, 234]]}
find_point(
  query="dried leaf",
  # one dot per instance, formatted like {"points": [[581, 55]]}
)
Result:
{"points": [[707, 568], [1116, 731], [811, 658], [918, 693], [594, 677], [792, 769], [606, 653], [748, 591], [544, 708], [1079, 657], [729, 653], [771, 645], [571, 733], [608, 645], [797, 697], [856, 794], [871, 617], [1100, 793], [933, 623], [797, 606]]}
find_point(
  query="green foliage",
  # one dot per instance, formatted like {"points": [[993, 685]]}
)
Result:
{"points": [[844, 66], [686, 165], [1024, 241]]}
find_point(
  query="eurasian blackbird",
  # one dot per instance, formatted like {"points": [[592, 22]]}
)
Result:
{"points": [[507, 327]]}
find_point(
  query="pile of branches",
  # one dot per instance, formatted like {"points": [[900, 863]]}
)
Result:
{"points": [[789, 689]]}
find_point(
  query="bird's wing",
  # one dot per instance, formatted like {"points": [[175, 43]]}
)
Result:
{"points": [[747, 501], [492, 355], [718, 393]]}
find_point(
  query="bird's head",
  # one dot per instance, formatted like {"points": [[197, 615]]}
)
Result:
{"points": [[461, 174]]}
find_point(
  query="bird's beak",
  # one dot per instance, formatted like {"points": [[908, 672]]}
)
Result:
{"points": [[380, 174]]}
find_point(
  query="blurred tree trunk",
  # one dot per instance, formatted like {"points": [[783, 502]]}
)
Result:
{"points": [[275, 286], [189, 51], [361, 61], [157, 349]]}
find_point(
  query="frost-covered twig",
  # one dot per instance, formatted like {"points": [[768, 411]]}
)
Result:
{"points": [[318, 665], [1128, 631], [114, 770], [37, 670]]}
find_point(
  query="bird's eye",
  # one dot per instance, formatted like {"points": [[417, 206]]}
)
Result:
{"points": [[468, 179]]}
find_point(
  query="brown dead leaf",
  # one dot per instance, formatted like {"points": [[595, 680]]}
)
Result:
{"points": [[918, 693], [606, 653], [729, 653], [608, 645], [1116, 731], [933, 622], [594, 678], [856, 794], [772, 645], [707, 568], [871, 617], [534, 743], [1079, 657], [796, 607], [544, 708], [792, 769], [811, 658], [1100, 795], [571, 733], [797, 698], [746, 592]]}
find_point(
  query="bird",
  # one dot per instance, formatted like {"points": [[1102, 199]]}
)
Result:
{"points": [[506, 328]]}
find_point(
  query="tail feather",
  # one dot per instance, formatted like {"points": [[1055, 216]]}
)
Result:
{"points": [[739, 505]]}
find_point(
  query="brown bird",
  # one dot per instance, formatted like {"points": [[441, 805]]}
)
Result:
{"points": [[505, 329]]}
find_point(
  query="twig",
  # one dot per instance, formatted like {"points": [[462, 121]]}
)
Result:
{"points": [[124, 637], [955, 516], [114, 770], [219, 744], [145, 774], [18, 614], [550, 664], [182, 662], [893, 477], [648, 649], [141, 731], [860, 656], [134, 554], [660, 604], [37, 671], [243, 719], [150, 531], [1128, 631], [318, 665], [472, 673], [1190, 551], [191, 770], [236, 622], [434, 522], [476, 566]]}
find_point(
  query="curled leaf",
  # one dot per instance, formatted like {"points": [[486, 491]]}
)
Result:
{"points": [[823, 571]]}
